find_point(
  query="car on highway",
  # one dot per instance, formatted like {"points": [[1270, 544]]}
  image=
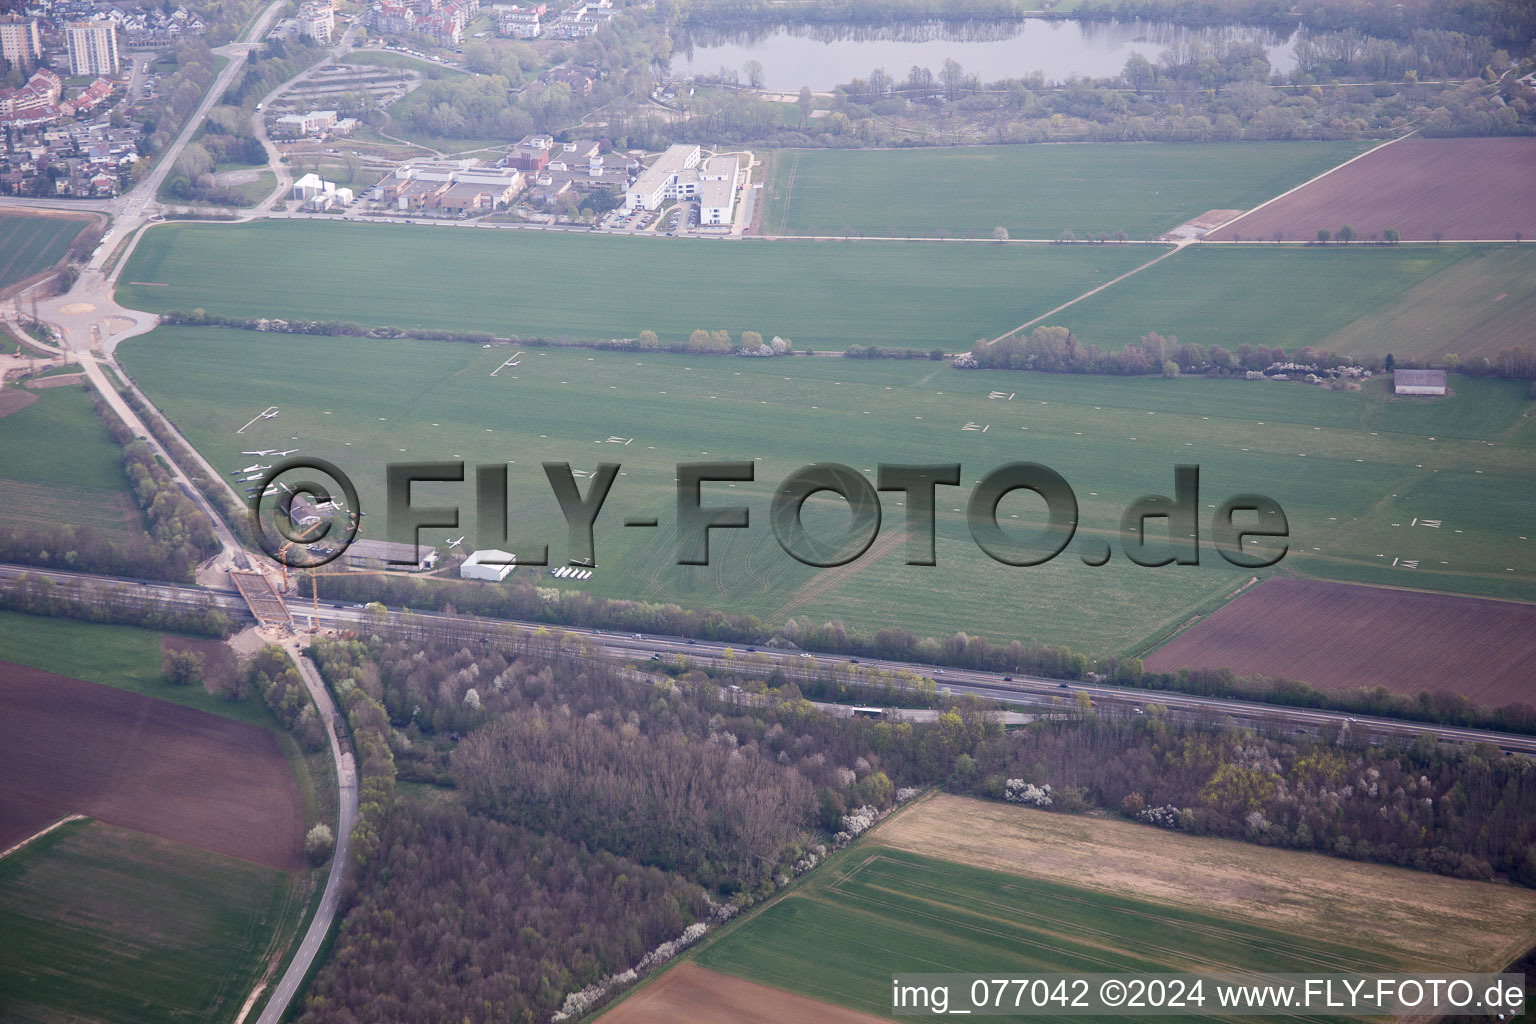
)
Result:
{"points": [[636, 636], [1007, 679], [1063, 686]]}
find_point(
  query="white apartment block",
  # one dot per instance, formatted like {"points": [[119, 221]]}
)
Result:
{"points": [[717, 190], [317, 21], [92, 48], [674, 175]]}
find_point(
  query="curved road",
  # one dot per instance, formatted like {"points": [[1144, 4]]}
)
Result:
{"points": [[330, 901]]}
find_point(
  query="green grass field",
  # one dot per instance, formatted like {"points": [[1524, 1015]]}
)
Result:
{"points": [[102, 923], [29, 244], [59, 465], [880, 911], [1350, 469], [391, 59], [547, 284], [1366, 299], [1033, 191], [59, 439], [123, 657]]}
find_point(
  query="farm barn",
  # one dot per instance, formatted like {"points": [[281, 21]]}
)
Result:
{"points": [[1418, 382]]}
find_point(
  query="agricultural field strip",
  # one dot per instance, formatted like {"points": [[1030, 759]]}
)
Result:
{"points": [[110, 512], [151, 930], [29, 244], [894, 911], [1193, 295], [601, 287], [1066, 929], [1032, 191], [1409, 915], [1418, 186]]}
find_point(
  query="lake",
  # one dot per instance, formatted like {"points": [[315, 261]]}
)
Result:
{"points": [[822, 56]]}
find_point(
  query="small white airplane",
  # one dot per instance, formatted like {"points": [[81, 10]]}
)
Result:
{"points": [[453, 543], [263, 453], [251, 469], [269, 415], [285, 454]]}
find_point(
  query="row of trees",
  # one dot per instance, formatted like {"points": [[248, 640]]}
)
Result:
{"points": [[1452, 809], [1057, 350], [111, 603]]}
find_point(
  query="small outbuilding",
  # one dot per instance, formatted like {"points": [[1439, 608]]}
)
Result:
{"points": [[1418, 382]]}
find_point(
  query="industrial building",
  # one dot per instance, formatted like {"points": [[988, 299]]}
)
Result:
{"points": [[488, 564], [383, 554], [1418, 382], [460, 187]]}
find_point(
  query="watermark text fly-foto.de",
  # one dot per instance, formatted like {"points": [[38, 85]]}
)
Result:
{"points": [[1247, 530]]}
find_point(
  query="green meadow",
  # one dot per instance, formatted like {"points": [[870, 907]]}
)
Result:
{"points": [[1355, 472], [541, 284], [1143, 189]]}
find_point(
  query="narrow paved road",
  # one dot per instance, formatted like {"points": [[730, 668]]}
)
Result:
{"points": [[330, 900]]}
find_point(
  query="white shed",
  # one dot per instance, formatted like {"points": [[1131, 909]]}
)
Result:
{"points": [[488, 564]]}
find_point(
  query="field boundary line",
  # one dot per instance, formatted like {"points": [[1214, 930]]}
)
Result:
{"points": [[1177, 247], [34, 837], [789, 189], [1309, 181]]}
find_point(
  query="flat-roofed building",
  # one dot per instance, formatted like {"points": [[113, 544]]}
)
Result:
{"points": [[383, 554], [667, 178], [717, 190], [1418, 382]]}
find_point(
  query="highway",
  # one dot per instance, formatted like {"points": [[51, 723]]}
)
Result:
{"points": [[1015, 688]]}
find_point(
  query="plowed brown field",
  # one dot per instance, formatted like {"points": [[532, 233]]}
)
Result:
{"points": [[68, 745], [1338, 636], [698, 996], [1461, 188]]}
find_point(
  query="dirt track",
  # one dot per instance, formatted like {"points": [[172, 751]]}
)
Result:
{"points": [[1338, 636], [68, 745], [1461, 188], [691, 993]]}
